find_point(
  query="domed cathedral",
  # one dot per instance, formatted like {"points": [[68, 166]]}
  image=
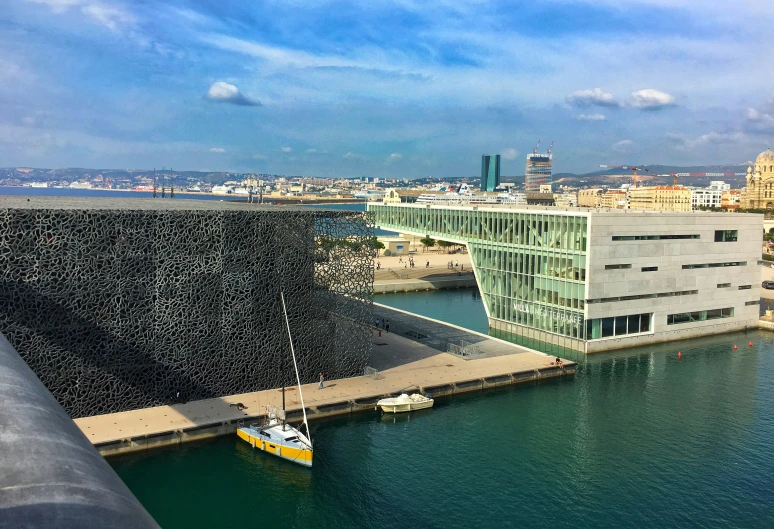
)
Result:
{"points": [[760, 182]]}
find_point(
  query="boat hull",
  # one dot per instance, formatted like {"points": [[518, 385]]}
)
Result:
{"points": [[275, 447], [403, 408]]}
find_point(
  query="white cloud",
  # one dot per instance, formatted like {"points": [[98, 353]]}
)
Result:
{"points": [[394, 157], [592, 97], [650, 99], [352, 156], [311, 151], [623, 146], [287, 149], [712, 138], [218, 150], [591, 117], [510, 154], [259, 157], [110, 16], [227, 93], [760, 120]]}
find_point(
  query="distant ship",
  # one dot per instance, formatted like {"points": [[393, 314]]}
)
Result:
{"points": [[464, 196], [194, 189], [81, 185], [38, 184], [142, 188], [222, 190], [370, 194]]}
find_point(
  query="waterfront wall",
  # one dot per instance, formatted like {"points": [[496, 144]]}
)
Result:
{"points": [[50, 474], [125, 304]]}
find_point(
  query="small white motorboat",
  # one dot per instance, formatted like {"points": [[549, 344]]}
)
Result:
{"points": [[405, 403]]}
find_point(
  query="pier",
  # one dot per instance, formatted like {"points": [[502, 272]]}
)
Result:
{"points": [[411, 357]]}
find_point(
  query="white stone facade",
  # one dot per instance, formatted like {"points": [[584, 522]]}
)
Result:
{"points": [[715, 287]]}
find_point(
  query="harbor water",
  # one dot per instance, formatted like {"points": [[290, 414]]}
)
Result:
{"points": [[638, 438]]}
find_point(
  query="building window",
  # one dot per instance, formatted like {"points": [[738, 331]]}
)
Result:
{"points": [[702, 315], [617, 326], [726, 235], [652, 237], [650, 269], [714, 265], [724, 285], [617, 266], [753, 302], [745, 287]]}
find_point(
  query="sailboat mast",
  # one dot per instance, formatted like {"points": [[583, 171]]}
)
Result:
{"points": [[295, 365]]}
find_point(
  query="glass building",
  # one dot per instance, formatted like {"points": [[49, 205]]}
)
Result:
{"points": [[595, 280], [490, 172]]}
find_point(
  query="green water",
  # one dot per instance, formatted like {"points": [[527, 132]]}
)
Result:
{"points": [[638, 438]]}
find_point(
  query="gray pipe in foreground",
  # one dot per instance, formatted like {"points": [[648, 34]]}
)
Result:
{"points": [[50, 474]]}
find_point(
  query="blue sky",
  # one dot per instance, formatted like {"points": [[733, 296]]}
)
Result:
{"points": [[402, 88]]}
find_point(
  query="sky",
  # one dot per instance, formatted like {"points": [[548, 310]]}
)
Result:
{"points": [[397, 89]]}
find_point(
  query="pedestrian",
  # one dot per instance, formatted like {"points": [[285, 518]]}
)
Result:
{"points": [[321, 382], [427, 264], [377, 323], [400, 259], [456, 264], [387, 325]]}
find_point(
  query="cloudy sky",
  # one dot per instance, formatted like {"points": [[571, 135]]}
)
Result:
{"points": [[402, 88]]}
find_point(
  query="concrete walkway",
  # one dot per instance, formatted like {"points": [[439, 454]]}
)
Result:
{"points": [[402, 362]]}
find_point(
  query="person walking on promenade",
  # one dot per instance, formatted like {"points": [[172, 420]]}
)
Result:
{"points": [[427, 264], [377, 323], [387, 325], [321, 382]]}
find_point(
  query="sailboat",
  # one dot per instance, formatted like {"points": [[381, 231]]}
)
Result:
{"points": [[275, 435]]}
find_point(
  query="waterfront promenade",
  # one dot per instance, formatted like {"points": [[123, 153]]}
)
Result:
{"points": [[403, 364], [395, 275]]}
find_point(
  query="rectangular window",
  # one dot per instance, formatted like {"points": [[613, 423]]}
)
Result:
{"points": [[754, 302], [714, 265], [652, 237], [617, 326], [726, 235], [745, 287], [702, 315], [617, 266], [724, 285], [650, 269]]}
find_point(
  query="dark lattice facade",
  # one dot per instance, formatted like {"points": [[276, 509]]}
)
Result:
{"points": [[121, 304]]}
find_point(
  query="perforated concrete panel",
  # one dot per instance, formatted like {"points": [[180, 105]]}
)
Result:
{"points": [[123, 304]]}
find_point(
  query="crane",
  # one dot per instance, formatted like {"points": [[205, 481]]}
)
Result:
{"points": [[534, 151], [674, 179], [550, 147], [632, 168]]}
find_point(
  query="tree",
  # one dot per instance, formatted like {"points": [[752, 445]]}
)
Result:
{"points": [[445, 245], [378, 245], [427, 242]]}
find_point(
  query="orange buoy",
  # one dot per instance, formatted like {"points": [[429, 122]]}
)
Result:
{"points": [[750, 344], [734, 348], [679, 354]]}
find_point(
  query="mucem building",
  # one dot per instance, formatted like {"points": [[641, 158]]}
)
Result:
{"points": [[118, 304], [594, 280]]}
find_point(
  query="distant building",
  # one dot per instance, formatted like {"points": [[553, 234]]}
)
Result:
{"points": [[590, 198], [613, 199], [538, 172], [760, 182], [391, 197], [490, 172], [660, 198], [540, 199], [706, 198], [731, 199]]}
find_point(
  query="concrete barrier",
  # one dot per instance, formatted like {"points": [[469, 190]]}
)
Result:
{"points": [[50, 474]]}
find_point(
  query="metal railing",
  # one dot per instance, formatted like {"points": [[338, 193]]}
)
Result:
{"points": [[50, 474], [464, 349], [371, 372]]}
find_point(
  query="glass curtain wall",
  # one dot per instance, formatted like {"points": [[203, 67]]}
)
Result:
{"points": [[531, 266]]}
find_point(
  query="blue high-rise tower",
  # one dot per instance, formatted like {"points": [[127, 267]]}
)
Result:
{"points": [[490, 172]]}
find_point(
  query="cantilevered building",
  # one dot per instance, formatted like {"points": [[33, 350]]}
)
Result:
{"points": [[490, 172], [538, 171], [594, 280]]}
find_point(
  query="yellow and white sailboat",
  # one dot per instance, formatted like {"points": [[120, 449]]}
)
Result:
{"points": [[275, 435]]}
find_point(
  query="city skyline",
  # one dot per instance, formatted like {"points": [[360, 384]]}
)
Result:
{"points": [[398, 90]]}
